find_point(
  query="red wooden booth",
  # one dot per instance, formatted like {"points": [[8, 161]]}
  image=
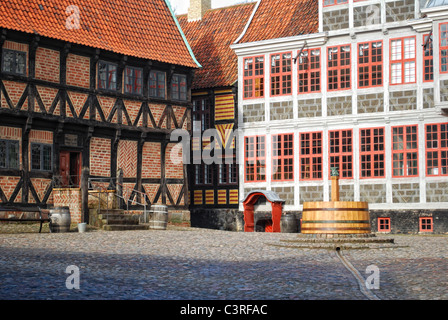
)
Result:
{"points": [[249, 214]]}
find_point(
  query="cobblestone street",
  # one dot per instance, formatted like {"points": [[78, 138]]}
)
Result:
{"points": [[202, 264]]}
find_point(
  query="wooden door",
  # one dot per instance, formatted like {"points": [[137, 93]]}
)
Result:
{"points": [[64, 165]]}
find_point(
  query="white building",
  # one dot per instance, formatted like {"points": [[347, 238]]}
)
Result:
{"points": [[358, 85]]}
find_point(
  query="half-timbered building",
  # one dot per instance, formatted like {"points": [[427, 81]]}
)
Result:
{"points": [[89, 93], [214, 193], [361, 86]]}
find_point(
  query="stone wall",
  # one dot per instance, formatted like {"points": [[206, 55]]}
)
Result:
{"points": [[335, 20], [406, 193], [373, 193], [253, 112], [221, 219], [444, 91], [311, 193], [437, 191], [285, 193], [403, 100], [282, 110], [337, 106], [428, 98], [310, 108], [400, 10], [367, 15], [370, 103], [346, 192]]}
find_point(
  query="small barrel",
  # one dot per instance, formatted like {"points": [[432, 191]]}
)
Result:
{"points": [[289, 223], [60, 220], [158, 217], [336, 217]]}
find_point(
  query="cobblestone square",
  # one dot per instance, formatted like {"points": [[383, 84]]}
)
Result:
{"points": [[203, 264]]}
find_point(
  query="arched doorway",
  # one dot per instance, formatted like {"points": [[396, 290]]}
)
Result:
{"points": [[249, 213]]}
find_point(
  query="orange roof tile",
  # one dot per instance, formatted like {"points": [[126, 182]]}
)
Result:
{"points": [[210, 39], [282, 18], [140, 28]]}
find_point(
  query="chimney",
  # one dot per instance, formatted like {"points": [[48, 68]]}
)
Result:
{"points": [[198, 8]]}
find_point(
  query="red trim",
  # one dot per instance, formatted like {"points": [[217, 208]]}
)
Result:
{"points": [[437, 149], [370, 64], [255, 159], [383, 224], [339, 68], [281, 74], [341, 152], [405, 151], [311, 156], [283, 157], [253, 77], [404, 55], [372, 153], [426, 224], [309, 73], [428, 61], [443, 47], [335, 3]]}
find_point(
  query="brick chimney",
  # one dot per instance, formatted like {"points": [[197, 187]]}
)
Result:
{"points": [[198, 8]]}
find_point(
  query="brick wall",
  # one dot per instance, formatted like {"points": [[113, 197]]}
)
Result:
{"points": [[15, 91], [132, 108], [40, 136], [47, 96], [78, 71], [173, 170], [78, 101], [437, 191], [285, 193], [127, 158], [71, 198], [373, 193], [8, 185], [151, 163], [100, 153], [311, 193], [41, 187], [47, 64]]}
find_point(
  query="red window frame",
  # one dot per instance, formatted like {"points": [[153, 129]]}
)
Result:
{"points": [[405, 151], [311, 156], [372, 153], [253, 77], [283, 157], [255, 159], [328, 3], [370, 64], [426, 224], [383, 224], [308, 70], [443, 44], [428, 58], [281, 74], [437, 149], [339, 68], [341, 152], [401, 56]]}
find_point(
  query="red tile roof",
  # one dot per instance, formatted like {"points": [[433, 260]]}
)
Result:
{"points": [[283, 18], [210, 39], [140, 28]]}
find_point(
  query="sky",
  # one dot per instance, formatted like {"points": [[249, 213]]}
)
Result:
{"points": [[181, 6]]}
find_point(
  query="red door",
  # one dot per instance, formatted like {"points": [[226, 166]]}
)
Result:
{"points": [[64, 165]]}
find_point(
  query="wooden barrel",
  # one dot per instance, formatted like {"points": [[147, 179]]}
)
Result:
{"points": [[158, 217], [60, 220], [336, 217], [289, 223]]}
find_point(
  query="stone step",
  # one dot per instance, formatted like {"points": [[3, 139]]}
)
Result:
{"points": [[121, 227]]}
